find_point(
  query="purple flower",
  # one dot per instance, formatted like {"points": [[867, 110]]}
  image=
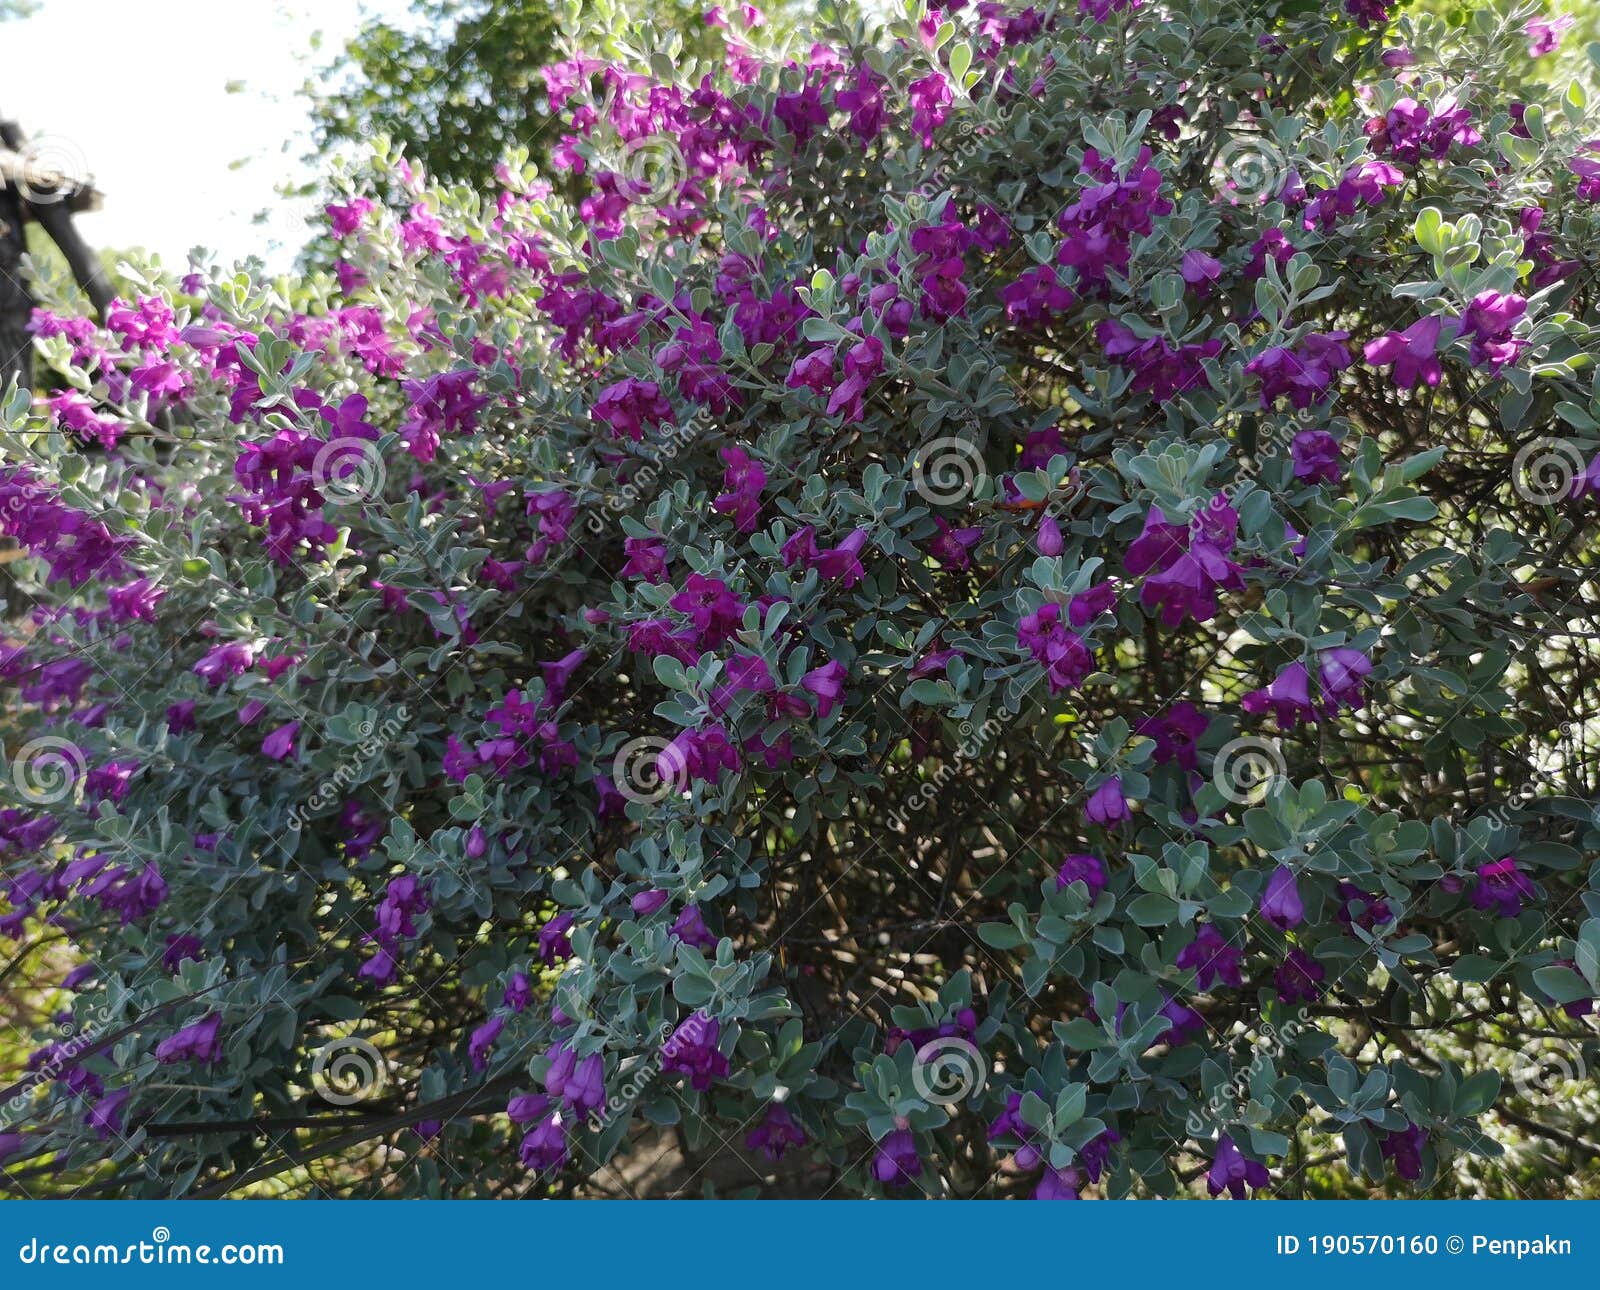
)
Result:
{"points": [[1361, 908], [234, 658], [482, 1041], [692, 1050], [586, 1088], [1058, 1184], [1096, 1153], [1342, 673], [1066, 659], [776, 1133], [1404, 1148], [1280, 902], [1087, 869], [1316, 457], [525, 1108], [105, 1116], [1230, 1172], [556, 946], [1212, 958], [194, 1043], [1159, 544], [1176, 732], [646, 903], [896, 1163], [545, 1147], [1107, 805], [1299, 978], [1503, 888], [742, 483], [842, 563], [179, 948], [952, 547], [519, 992], [690, 928]]}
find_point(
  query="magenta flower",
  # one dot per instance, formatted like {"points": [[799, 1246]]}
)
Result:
{"points": [[1200, 271], [1544, 34], [1047, 540], [1316, 457], [1503, 888], [1088, 605], [827, 684], [631, 406], [1488, 321], [1288, 698], [1413, 353], [279, 745]]}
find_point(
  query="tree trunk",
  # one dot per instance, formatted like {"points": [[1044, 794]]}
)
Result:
{"points": [[16, 349]]}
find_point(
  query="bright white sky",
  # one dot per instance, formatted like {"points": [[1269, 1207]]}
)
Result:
{"points": [[137, 90]]}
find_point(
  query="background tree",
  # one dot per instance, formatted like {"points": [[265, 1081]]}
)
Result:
{"points": [[457, 84]]}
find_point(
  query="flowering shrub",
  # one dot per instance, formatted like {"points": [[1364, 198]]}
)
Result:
{"points": [[998, 606]]}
